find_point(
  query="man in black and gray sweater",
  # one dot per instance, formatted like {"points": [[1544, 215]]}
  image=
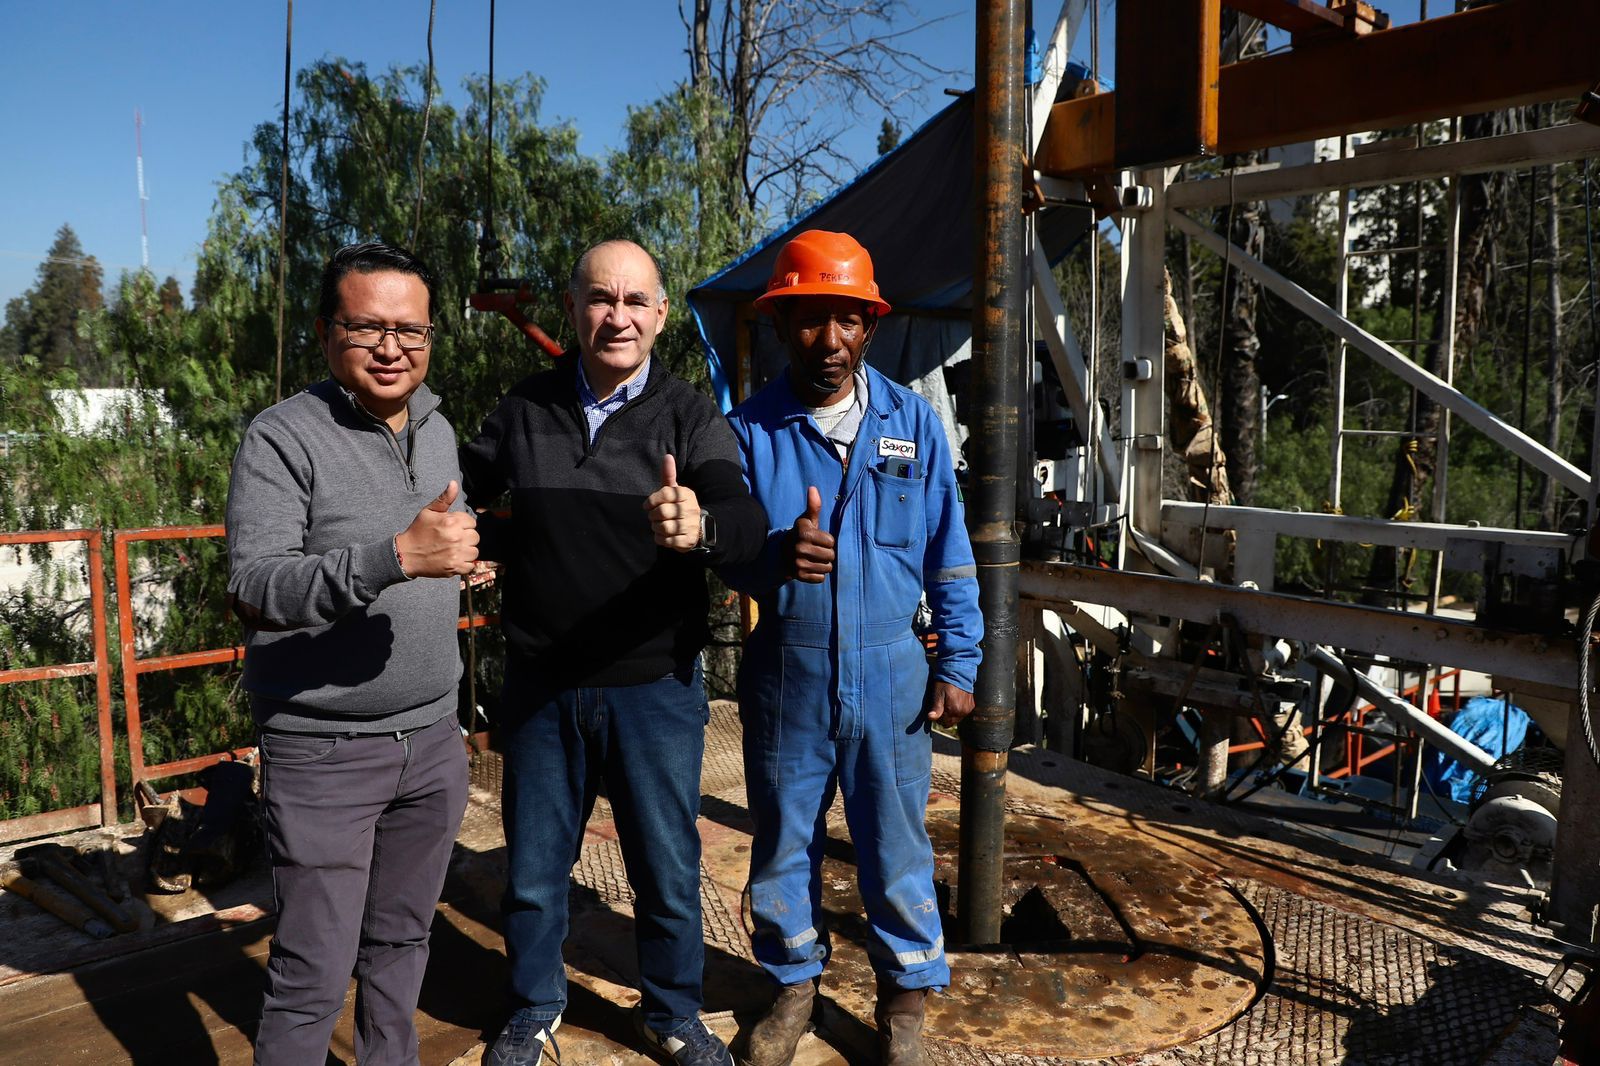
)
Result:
{"points": [[624, 484], [346, 536]]}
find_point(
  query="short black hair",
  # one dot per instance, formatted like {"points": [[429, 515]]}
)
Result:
{"points": [[583, 261], [369, 257]]}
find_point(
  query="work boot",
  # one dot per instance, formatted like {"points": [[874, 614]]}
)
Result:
{"points": [[773, 1039], [899, 1017]]}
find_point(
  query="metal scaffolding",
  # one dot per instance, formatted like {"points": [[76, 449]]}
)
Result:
{"points": [[1175, 101]]}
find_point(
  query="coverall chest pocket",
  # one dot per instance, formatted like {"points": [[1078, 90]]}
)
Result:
{"points": [[897, 510]]}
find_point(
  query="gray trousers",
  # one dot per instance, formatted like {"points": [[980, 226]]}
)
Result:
{"points": [[361, 830]]}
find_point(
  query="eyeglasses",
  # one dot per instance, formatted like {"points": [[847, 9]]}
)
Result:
{"points": [[370, 335]]}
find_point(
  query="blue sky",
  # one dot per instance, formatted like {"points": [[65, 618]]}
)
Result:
{"points": [[205, 73]]}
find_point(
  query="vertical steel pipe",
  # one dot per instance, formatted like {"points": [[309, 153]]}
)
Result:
{"points": [[997, 312]]}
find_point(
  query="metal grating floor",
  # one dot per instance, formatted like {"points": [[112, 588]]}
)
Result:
{"points": [[1345, 988]]}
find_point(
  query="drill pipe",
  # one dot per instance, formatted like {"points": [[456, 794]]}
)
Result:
{"points": [[997, 311]]}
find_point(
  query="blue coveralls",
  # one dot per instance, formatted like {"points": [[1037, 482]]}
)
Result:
{"points": [[833, 681]]}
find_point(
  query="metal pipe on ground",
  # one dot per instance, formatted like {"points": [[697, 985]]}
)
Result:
{"points": [[1415, 718], [998, 284]]}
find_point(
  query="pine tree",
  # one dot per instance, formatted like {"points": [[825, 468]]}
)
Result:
{"points": [[43, 324]]}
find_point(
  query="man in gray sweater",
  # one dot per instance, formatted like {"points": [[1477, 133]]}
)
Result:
{"points": [[346, 536]]}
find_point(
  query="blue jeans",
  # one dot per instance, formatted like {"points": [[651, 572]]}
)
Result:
{"points": [[643, 745]]}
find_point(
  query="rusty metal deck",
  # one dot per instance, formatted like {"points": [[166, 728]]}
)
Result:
{"points": [[1360, 962]]}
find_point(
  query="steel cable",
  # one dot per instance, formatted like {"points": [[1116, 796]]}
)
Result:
{"points": [[283, 199], [422, 142], [1584, 651]]}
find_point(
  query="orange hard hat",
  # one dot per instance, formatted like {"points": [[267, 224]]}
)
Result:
{"points": [[820, 263]]}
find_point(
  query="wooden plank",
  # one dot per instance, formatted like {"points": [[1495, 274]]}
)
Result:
{"points": [[190, 1001], [1501, 55], [1167, 79], [49, 823], [198, 1000]]}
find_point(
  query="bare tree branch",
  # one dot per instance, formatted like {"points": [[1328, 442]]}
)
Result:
{"points": [[794, 77]]}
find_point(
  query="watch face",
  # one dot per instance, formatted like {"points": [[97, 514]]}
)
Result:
{"points": [[708, 530]]}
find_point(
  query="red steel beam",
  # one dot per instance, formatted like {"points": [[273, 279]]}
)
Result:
{"points": [[1296, 16], [102, 680], [1500, 55], [1167, 78], [46, 673], [182, 660], [169, 533], [105, 811], [189, 766], [132, 665], [130, 656], [47, 536]]}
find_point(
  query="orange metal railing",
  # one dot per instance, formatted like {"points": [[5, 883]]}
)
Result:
{"points": [[1357, 757], [104, 812], [134, 667]]}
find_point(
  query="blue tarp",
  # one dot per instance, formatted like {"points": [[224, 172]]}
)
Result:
{"points": [[1489, 723]]}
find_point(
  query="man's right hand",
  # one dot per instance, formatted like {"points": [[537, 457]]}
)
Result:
{"points": [[439, 542], [810, 548]]}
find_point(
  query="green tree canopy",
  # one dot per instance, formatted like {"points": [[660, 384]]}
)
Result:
{"points": [[42, 324]]}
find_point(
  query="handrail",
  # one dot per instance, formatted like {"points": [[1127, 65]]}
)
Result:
{"points": [[104, 812]]}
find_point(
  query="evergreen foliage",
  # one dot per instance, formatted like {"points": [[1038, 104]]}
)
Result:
{"points": [[41, 324], [202, 371]]}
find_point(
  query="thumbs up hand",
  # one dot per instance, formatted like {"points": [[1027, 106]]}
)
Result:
{"points": [[439, 542], [810, 551], [674, 511]]}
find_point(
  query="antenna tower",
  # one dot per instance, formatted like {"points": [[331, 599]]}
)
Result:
{"points": [[144, 222]]}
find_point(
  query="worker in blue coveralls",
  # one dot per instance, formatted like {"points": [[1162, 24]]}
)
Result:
{"points": [[835, 689]]}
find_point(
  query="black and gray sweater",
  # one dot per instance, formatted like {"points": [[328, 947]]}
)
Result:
{"points": [[338, 639], [589, 598]]}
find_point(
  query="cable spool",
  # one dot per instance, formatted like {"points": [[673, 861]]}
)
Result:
{"points": [[1512, 825]]}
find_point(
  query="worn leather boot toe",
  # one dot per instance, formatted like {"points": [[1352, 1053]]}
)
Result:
{"points": [[899, 1016], [773, 1040]]}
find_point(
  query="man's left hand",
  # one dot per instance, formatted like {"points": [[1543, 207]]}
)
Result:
{"points": [[674, 511], [948, 704]]}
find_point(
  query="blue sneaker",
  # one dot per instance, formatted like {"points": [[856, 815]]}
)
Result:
{"points": [[690, 1044], [524, 1039]]}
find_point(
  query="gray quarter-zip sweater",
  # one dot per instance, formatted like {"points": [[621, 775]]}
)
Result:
{"points": [[345, 643]]}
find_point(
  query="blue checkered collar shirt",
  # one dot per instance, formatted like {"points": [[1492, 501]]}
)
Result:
{"points": [[597, 410]]}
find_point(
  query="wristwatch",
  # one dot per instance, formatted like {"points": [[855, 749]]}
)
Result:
{"points": [[708, 532]]}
